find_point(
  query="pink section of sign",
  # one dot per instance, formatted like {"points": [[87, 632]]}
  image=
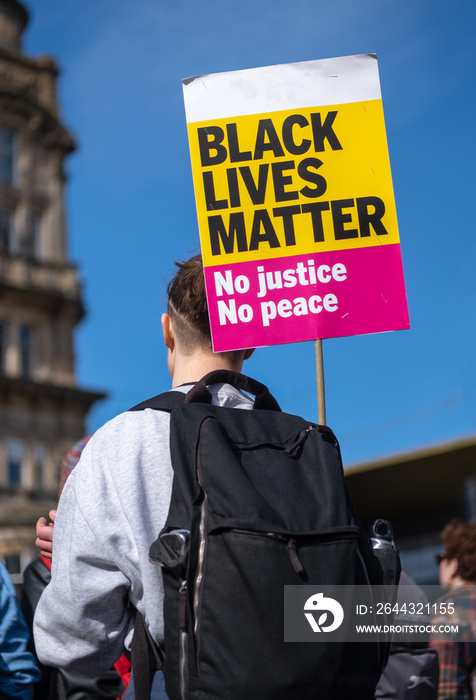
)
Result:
{"points": [[304, 297]]}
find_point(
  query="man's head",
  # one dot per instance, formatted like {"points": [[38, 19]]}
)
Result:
{"points": [[458, 561], [187, 306], [186, 328]]}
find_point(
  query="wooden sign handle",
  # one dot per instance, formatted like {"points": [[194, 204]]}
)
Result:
{"points": [[321, 393]]}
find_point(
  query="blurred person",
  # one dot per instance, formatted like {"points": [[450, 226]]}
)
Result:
{"points": [[56, 683], [457, 574], [18, 670]]}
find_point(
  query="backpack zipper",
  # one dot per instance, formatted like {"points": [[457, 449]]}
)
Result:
{"points": [[182, 611], [291, 543], [201, 557], [202, 545], [299, 440]]}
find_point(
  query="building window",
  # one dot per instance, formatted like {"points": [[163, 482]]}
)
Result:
{"points": [[3, 345], [40, 462], [14, 566], [8, 155], [30, 241], [27, 350], [15, 459], [7, 229]]}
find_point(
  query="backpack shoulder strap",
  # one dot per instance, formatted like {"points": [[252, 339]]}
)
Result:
{"points": [[162, 402], [146, 657]]}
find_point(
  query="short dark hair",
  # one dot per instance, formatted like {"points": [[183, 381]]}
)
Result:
{"points": [[459, 541], [187, 305]]}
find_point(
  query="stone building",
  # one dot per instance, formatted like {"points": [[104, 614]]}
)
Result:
{"points": [[42, 409]]}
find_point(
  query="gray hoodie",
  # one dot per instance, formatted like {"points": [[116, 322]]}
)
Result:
{"points": [[112, 508]]}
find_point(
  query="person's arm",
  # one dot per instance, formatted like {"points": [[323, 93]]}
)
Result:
{"points": [[113, 506], [82, 617], [18, 670]]}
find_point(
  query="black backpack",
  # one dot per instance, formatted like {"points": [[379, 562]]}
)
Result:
{"points": [[412, 671], [258, 502]]}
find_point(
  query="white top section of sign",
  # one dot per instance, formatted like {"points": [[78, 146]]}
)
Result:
{"points": [[329, 81]]}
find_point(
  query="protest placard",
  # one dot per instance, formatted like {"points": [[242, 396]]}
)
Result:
{"points": [[295, 202]]}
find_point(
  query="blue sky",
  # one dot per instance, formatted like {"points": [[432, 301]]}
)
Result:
{"points": [[131, 207]]}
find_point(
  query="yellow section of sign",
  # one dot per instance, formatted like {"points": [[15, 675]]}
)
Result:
{"points": [[293, 182]]}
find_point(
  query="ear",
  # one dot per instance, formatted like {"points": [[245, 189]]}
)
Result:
{"points": [[168, 331], [452, 568], [248, 353]]}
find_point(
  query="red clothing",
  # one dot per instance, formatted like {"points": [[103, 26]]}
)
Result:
{"points": [[46, 561], [123, 668], [458, 657]]}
